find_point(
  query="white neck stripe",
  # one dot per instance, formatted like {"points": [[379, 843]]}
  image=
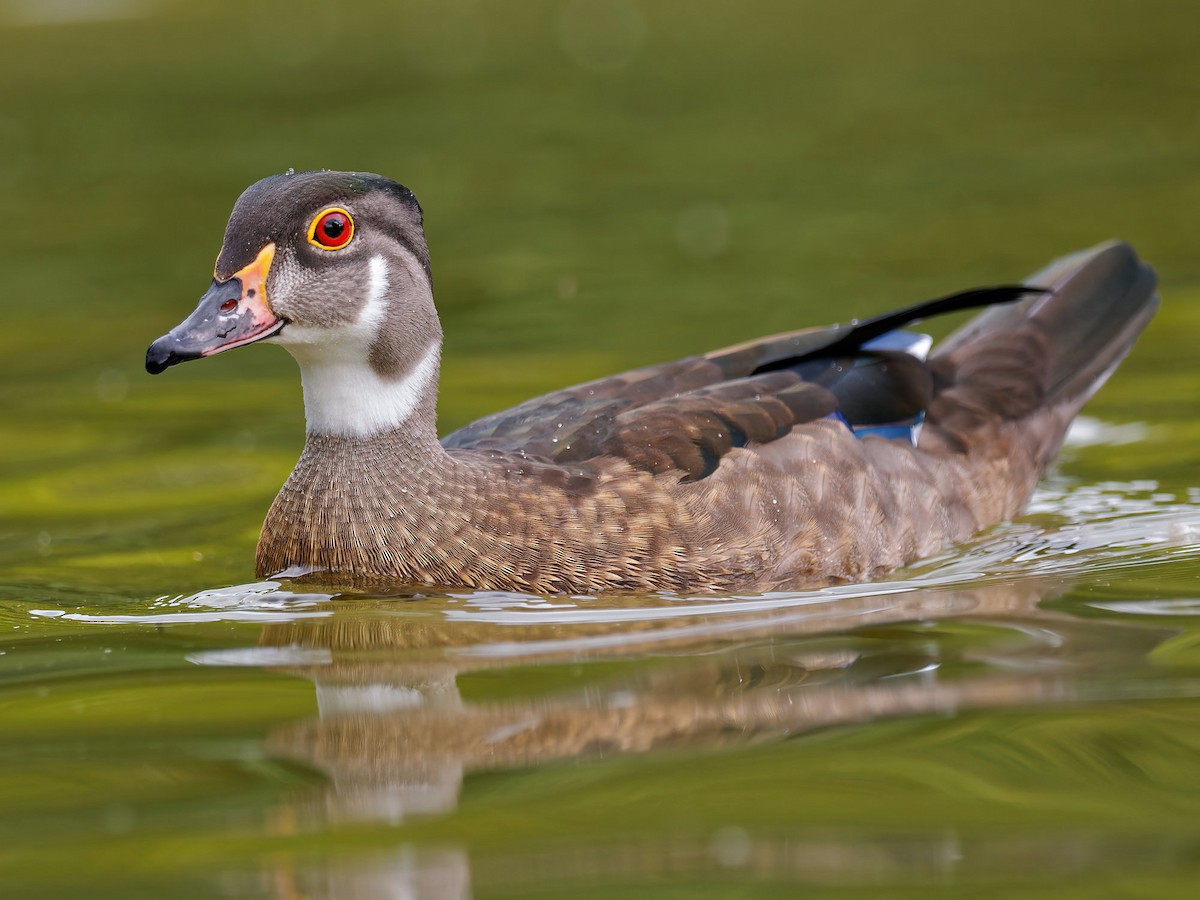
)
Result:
{"points": [[350, 399]]}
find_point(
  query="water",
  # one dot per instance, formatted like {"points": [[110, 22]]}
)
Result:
{"points": [[605, 185], [1015, 713]]}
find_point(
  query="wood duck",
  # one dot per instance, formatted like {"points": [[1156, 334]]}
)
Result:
{"points": [[823, 455]]}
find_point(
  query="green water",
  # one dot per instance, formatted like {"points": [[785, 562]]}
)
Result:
{"points": [[605, 184]]}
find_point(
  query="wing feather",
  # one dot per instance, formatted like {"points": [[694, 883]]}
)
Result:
{"points": [[685, 415]]}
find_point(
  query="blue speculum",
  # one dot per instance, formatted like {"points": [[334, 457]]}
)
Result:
{"points": [[908, 429]]}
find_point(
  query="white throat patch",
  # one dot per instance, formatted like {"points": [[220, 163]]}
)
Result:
{"points": [[343, 394]]}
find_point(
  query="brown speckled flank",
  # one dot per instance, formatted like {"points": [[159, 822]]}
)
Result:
{"points": [[715, 473]]}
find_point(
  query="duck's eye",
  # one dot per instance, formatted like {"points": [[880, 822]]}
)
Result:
{"points": [[331, 229]]}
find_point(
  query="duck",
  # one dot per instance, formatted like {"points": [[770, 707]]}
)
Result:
{"points": [[824, 455]]}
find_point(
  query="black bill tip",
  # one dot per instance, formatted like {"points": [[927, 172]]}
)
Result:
{"points": [[164, 353]]}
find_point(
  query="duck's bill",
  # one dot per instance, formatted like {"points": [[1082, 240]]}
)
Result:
{"points": [[231, 313]]}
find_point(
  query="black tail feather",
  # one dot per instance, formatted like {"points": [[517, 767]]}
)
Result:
{"points": [[847, 340], [869, 329]]}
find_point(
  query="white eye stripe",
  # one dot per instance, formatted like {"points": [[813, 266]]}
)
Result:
{"points": [[375, 307]]}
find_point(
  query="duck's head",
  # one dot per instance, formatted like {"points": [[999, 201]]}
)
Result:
{"points": [[333, 266]]}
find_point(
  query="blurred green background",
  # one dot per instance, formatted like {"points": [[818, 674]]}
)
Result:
{"points": [[606, 183]]}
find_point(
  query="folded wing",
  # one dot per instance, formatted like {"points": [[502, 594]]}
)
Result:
{"points": [[686, 415]]}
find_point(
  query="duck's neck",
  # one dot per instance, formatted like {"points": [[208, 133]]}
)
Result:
{"points": [[354, 491], [349, 398]]}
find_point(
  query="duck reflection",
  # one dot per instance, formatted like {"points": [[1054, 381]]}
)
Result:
{"points": [[413, 697], [409, 703]]}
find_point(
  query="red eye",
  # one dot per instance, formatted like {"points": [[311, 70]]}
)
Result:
{"points": [[331, 229]]}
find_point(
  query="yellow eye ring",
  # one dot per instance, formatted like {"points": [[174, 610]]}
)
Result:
{"points": [[331, 229]]}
